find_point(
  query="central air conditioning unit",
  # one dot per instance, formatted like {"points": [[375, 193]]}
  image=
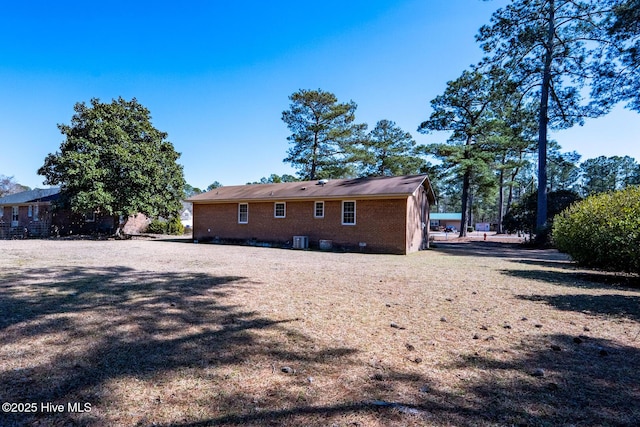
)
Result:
{"points": [[300, 242]]}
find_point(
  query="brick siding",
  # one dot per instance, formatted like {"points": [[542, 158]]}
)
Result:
{"points": [[381, 224], [33, 227]]}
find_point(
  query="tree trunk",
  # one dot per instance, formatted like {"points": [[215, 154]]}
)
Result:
{"points": [[470, 217], [500, 201], [510, 196], [120, 227], [314, 158], [466, 179], [466, 184], [541, 214]]}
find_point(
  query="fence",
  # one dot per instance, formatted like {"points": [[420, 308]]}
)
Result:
{"points": [[33, 229]]}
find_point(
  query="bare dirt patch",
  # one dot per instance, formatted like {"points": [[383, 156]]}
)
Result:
{"points": [[168, 333]]}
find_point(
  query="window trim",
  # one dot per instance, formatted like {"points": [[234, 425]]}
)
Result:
{"points": [[354, 212], [315, 209], [89, 215], [15, 216], [284, 209], [246, 221]]}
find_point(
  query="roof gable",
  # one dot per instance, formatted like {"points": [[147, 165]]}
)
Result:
{"points": [[30, 196], [385, 186]]}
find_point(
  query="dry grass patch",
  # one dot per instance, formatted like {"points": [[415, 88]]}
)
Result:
{"points": [[168, 333]]}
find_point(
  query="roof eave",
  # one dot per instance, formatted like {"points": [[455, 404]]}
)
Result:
{"points": [[431, 195], [302, 199]]}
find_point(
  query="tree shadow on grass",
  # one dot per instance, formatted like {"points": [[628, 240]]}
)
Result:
{"points": [[37, 293], [93, 329], [578, 279], [556, 381], [69, 332], [549, 258], [610, 305], [565, 264], [515, 251], [546, 381]]}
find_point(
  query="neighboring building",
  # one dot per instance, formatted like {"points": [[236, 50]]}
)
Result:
{"points": [[378, 214], [439, 221], [27, 213], [186, 215], [32, 214]]}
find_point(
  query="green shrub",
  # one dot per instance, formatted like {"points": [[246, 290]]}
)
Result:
{"points": [[157, 227], [602, 231], [175, 227]]}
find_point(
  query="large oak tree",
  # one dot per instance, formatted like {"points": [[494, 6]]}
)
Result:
{"points": [[115, 162]]}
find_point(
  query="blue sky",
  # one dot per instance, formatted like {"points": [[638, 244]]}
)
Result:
{"points": [[216, 76]]}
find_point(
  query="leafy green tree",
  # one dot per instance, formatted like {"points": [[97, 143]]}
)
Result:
{"points": [[522, 217], [625, 48], [387, 151], [482, 206], [562, 169], [604, 174], [445, 186], [463, 110], [214, 185], [115, 162], [524, 182], [275, 179], [552, 49], [323, 134], [190, 191], [512, 140]]}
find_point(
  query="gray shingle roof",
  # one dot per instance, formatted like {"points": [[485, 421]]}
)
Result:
{"points": [[385, 186], [36, 195]]}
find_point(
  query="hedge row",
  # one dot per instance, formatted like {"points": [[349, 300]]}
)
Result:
{"points": [[602, 231]]}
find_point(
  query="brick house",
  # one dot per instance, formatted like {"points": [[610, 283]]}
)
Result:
{"points": [[31, 214], [377, 214], [27, 213]]}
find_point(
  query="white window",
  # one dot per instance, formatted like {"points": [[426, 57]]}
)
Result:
{"points": [[30, 211], [89, 216], [243, 213], [280, 209], [15, 215], [349, 213], [318, 210], [36, 213]]}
